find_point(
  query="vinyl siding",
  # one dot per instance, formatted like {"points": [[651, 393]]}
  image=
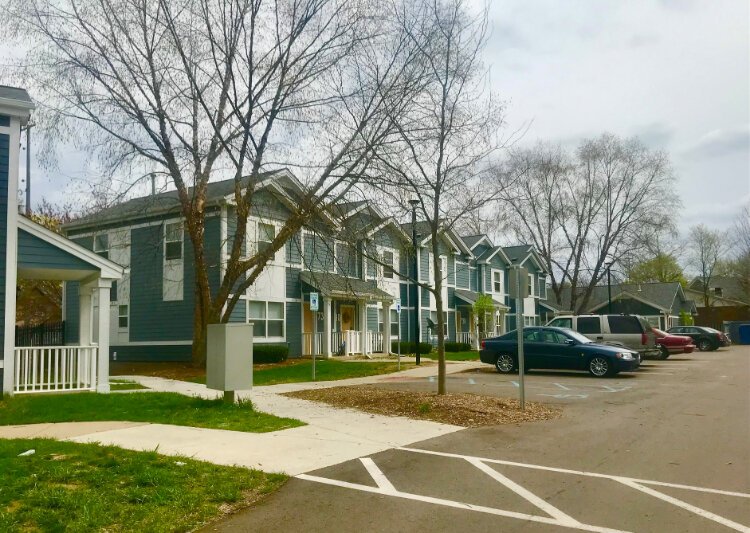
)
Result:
{"points": [[294, 249], [451, 270], [232, 231], [239, 312], [451, 326], [424, 265], [318, 253], [425, 297], [161, 352], [372, 319], [293, 285], [33, 252], [462, 276], [294, 328], [72, 312], [451, 304], [473, 278]]}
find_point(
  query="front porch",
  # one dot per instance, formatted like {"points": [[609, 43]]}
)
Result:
{"points": [[344, 324], [472, 329], [83, 366]]}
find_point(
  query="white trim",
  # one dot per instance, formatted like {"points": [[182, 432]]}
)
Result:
{"points": [[484, 238], [11, 255], [117, 224], [493, 254], [107, 268], [152, 343], [622, 294]]}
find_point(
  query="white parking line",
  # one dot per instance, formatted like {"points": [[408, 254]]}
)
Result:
{"points": [[551, 510], [458, 505], [578, 472], [679, 503], [377, 475]]}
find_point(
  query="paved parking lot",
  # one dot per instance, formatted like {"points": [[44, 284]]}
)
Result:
{"points": [[664, 450]]}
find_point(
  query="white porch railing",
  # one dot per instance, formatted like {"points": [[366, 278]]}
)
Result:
{"points": [[337, 338], [353, 341], [374, 342], [464, 336], [55, 368], [312, 343]]}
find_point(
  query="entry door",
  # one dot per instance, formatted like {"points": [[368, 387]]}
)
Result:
{"points": [[308, 317], [347, 317]]}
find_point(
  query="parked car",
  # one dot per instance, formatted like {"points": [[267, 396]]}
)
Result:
{"points": [[557, 348], [631, 331], [671, 344], [706, 339]]}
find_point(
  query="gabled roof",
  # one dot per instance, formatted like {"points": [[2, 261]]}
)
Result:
{"points": [[470, 297], [492, 252], [472, 241], [662, 296], [731, 288], [424, 231], [518, 255], [216, 193], [16, 101], [107, 269]]}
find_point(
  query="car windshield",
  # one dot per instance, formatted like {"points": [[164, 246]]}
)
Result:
{"points": [[712, 330], [577, 336]]}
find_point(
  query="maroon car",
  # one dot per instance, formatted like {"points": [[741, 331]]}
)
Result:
{"points": [[670, 344]]}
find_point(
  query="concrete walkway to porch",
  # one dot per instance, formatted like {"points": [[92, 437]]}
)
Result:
{"points": [[331, 436]]}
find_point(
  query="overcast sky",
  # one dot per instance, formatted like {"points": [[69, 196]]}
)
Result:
{"points": [[673, 72]]}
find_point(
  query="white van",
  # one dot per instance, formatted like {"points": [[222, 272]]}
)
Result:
{"points": [[631, 331]]}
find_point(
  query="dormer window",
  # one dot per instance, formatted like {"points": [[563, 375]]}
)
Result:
{"points": [[497, 284]]}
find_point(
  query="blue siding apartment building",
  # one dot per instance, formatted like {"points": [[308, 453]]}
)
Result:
{"points": [[151, 308]]}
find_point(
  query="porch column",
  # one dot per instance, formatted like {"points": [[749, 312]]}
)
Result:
{"points": [[386, 327], [102, 382], [84, 315], [363, 327], [327, 328]]}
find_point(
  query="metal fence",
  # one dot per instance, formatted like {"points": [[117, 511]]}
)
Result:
{"points": [[48, 334]]}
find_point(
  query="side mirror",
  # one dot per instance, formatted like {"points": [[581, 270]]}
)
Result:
{"points": [[570, 342]]}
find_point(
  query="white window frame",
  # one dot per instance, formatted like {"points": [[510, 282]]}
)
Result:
{"points": [[103, 252], [181, 240], [266, 319], [258, 225], [120, 316], [531, 286], [444, 267], [381, 315], [499, 282], [388, 271]]}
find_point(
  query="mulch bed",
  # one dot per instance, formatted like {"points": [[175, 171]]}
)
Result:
{"points": [[467, 410]]}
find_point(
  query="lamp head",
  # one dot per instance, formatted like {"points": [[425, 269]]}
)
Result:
{"points": [[414, 202]]}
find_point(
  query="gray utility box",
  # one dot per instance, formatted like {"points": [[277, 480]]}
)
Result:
{"points": [[229, 358]]}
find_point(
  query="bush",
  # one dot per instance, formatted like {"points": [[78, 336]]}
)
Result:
{"points": [[270, 353], [457, 346], [410, 347]]}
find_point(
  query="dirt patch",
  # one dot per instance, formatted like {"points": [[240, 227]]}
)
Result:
{"points": [[467, 410]]}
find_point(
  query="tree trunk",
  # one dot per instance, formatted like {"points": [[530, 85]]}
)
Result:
{"points": [[438, 292]]}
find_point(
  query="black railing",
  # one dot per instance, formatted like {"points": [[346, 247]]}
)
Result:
{"points": [[48, 334]]}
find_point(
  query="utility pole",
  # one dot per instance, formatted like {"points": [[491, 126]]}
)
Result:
{"points": [[414, 202], [609, 288]]}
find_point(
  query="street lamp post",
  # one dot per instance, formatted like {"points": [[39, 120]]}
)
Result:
{"points": [[414, 203]]}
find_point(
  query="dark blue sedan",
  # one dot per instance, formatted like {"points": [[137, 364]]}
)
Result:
{"points": [[557, 348]]}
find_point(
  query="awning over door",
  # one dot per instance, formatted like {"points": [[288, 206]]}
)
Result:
{"points": [[336, 286], [470, 297]]}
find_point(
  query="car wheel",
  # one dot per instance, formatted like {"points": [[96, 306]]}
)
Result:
{"points": [[600, 367], [505, 364], [663, 353], [704, 345]]}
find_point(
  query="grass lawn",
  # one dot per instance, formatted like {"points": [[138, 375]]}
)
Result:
{"points": [[159, 407], [325, 370], [461, 356], [66, 486]]}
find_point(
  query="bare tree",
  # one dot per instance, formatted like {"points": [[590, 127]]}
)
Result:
{"points": [[195, 90], [585, 209], [441, 155], [706, 248]]}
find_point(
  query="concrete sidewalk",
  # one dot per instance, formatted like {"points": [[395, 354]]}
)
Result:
{"points": [[331, 436]]}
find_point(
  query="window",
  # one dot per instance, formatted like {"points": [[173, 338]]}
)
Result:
{"points": [[624, 324], [718, 292], [562, 323], [388, 265], [497, 284], [443, 267], [529, 321], [101, 245], [173, 241], [589, 324], [122, 316], [531, 286], [531, 335], [380, 320], [267, 318], [266, 235], [394, 323], [553, 337]]}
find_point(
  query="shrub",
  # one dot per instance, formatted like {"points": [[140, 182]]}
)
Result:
{"points": [[270, 353], [410, 347], [457, 346]]}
